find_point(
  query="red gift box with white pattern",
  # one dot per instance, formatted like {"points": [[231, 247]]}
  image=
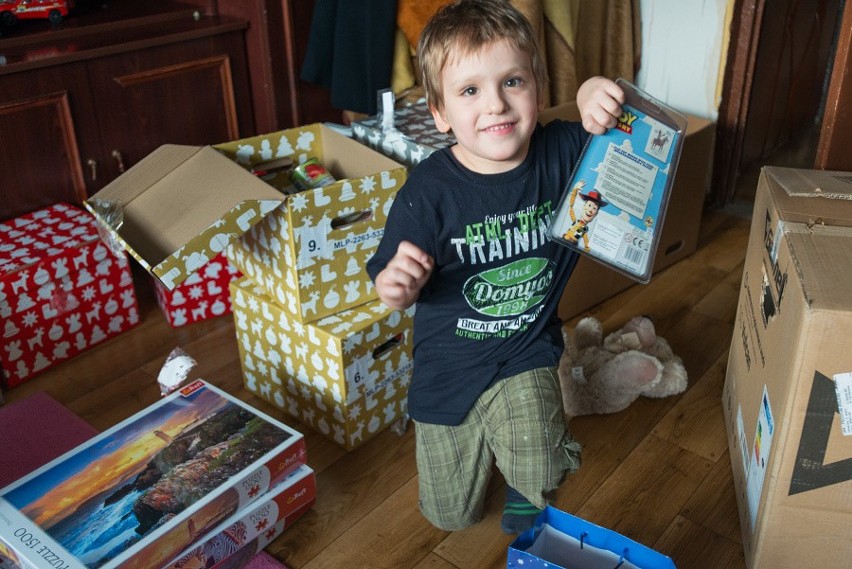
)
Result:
{"points": [[203, 295], [62, 290]]}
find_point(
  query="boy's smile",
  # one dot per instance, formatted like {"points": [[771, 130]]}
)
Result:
{"points": [[491, 105]]}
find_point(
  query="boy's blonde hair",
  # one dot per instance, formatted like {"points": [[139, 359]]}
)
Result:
{"points": [[464, 27]]}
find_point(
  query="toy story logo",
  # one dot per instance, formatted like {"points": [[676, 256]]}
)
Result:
{"points": [[625, 122]]}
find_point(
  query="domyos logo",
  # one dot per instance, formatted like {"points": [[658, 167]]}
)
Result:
{"points": [[511, 289]]}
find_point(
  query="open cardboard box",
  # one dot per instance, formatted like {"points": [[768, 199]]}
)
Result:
{"points": [[679, 237], [182, 205]]}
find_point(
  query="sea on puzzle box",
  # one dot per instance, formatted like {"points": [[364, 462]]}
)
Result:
{"points": [[143, 491]]}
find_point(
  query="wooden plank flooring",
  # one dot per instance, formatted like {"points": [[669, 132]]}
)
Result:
{"points": [[658, 471]]}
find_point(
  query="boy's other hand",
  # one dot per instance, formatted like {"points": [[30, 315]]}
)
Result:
{"points": [[399, 284], [599, 100]]}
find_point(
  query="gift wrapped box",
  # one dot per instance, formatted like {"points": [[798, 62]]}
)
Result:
{"points": [[62, 290], [202, 296]]}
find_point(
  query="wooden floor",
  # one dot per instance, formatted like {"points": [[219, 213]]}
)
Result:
{"points": [[657, 472]]}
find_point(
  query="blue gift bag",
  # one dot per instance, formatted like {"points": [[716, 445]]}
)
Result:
{"points": [[562, 541]]}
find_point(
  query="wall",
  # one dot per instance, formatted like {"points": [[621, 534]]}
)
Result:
{"points": [[683, 49]]}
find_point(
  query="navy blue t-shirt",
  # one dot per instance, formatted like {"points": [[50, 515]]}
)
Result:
{"points": [[489, 309]]}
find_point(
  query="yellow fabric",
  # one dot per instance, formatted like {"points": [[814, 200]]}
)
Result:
{"points": [[404, 76]]}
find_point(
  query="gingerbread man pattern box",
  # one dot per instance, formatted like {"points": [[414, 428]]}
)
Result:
{"points": [[345, 375], [62, 290], [310, 254]]}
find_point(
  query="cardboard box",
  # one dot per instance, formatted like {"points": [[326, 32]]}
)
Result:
{"points": [[182, 205], [142, 491], [679, 237], [202, 296], [311, 254], [413, 138], [346, 375], [247, 532], [787, 398], [62, 290]]}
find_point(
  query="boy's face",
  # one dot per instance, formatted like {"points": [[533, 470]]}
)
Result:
{"points": [[491, 105]]}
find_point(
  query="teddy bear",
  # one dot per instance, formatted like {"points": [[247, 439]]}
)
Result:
{"points": [[606, 374]]}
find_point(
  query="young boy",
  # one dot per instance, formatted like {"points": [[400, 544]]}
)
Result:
{"points": [[467, 240]]}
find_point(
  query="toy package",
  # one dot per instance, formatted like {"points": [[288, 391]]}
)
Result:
{"points": [[615, 202]]}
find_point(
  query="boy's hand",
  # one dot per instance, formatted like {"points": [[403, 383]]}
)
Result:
{"points": [[599, 100], [399, 283]]}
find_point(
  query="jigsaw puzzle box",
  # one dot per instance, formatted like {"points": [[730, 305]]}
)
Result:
{"points": [[345, 375], [138, 494], [62, 291], [787, 397], [248, 531]]}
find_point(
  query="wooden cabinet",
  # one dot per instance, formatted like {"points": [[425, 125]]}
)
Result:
{"points": [[80, 104]]}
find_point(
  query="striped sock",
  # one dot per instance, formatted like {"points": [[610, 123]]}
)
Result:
{"points": [[518, 514]]}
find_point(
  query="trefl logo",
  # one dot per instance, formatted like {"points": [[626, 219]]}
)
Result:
{"points": [[511, 289]]}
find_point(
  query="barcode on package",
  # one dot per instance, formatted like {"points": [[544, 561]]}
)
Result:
{"points": [[843, 387]]}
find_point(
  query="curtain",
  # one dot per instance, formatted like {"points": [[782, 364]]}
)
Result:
{"points": [[579, 39]]}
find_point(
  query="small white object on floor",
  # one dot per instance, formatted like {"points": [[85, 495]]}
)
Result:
{"points": [[175, 371]]}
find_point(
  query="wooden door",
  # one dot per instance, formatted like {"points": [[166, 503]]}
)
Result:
{"points": [[44, 144], [192, 93], [778, 60], [834, 151]]}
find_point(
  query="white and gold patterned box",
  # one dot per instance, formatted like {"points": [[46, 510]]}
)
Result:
{"points": [[310, 255], [345, 375], [180, 206]]}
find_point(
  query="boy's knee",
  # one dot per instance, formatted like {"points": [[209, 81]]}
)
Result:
{"points": [[451, 521]]}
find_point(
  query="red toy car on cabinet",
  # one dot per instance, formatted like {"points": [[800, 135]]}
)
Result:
{"points": [[54, 10]]}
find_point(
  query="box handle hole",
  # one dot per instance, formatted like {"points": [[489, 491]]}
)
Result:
{"points": [[674, 247], [351, 219], [382, 350]]}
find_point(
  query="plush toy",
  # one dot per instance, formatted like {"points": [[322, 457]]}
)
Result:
{"points": [[605, 375]]}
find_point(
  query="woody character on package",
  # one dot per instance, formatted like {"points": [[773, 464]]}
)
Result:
{"points": [[593, 202]]}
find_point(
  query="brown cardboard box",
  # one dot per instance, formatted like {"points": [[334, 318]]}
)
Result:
{"points": [[788, 397], [679, 237]]}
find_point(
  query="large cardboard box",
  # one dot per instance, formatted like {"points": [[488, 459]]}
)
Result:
{"points": [[244, 534], [142, 491], [182, 205], [345, 375], [679, 237], [788, 395], [62, 291]]}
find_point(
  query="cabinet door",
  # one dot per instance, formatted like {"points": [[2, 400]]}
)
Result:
{"points": [[193, 92], [42, 118]]}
